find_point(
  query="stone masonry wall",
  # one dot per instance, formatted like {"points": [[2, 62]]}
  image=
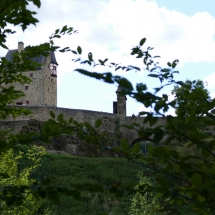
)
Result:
{"points": [[70, 145], [43, 88], [42, 113]]}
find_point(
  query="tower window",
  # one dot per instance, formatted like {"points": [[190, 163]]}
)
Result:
{"points": [[51, 80], [114, 107], [26, 87], [27, 102], [31, 75], [53, 69]]}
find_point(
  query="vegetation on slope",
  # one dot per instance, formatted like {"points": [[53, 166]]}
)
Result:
{"points": [[69, 170]]}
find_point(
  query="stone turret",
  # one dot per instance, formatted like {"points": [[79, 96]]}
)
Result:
{"points": [[119, 107]]}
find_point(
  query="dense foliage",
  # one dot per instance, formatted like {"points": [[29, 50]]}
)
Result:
{"points": [[20, 177]]}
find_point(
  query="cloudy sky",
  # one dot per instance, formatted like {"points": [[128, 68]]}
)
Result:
{"points": [[109, 29]]}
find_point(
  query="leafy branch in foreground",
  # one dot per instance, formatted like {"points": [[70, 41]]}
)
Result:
{"points": [[194, 168]]}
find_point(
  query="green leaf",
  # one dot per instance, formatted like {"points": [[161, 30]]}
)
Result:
{"points": [[63, 29], [124, 144], [119, 67], [98, 123], [37, 3], [79, 50], [57, 31], [153, 75], [153, 120], [163, 181], [136, 148], [169, 64], [142, 41], [52, 114], [56, 36], [70, 120], [60, 118], [196, 180], [90, 56], [174, 63], [101, 62], [124, 83], [74, 52]]}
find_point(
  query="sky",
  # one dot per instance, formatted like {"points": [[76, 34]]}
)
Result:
{"points": [[183, 30]]}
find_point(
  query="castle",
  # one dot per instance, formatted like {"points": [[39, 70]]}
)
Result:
{"points": [[42, 91], [41, 98]]}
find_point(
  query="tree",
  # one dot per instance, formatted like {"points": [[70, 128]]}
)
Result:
{"points": [[191, 98], [190, 94], [180, 176]]}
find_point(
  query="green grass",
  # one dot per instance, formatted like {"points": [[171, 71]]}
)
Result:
{"points": [[68, 170]]}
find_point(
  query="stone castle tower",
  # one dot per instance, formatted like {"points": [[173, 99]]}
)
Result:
{"points": [[43, 88], [119, 107]]}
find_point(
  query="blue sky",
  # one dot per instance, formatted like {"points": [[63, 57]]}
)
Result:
{"points": [[183, 30]]}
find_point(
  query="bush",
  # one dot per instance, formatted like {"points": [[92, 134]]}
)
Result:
{"points": [[14, 176], [152, 204]]}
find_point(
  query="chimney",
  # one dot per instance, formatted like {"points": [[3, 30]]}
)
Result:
{"points": [[20, 46]]}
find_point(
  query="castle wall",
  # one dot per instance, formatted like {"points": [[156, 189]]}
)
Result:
{"points": [[110, 121], [15, 125], [70, 145], [33, 91]]}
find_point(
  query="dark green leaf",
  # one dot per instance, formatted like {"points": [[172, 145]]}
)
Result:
{"points": [[90, 56], [124, 83], [196, 180], [142, 41], [52, 115], [124, 144], [169, 64], [79, 50], [60, 118], [74, 52], [98, 123], [163, 181]]}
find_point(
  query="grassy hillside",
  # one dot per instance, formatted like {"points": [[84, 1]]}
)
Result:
{"points": [[68, 170]]}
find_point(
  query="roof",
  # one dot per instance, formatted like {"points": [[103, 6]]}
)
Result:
{"points": [[40, 59], [53, 58]]}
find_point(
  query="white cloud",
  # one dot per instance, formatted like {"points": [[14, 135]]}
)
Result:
{"points": [[209, 81], [112, 28]]}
